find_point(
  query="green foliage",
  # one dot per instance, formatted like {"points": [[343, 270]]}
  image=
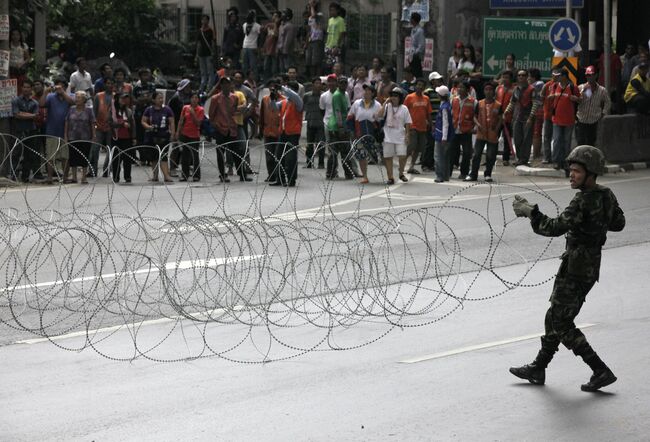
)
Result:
{"points": [[100, 26]]}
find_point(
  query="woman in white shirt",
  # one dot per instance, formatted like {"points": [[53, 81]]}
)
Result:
{"points": [[363, 114], [252, 31], [396, 132]]}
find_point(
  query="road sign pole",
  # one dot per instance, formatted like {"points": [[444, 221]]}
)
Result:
{"points": [[568, 9], [608, 44]]}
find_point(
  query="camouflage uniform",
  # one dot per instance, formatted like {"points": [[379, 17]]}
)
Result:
{"points": [[585, 222]]}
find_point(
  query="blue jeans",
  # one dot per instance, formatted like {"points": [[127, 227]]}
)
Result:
{"points": [[441, 160], [250, 61], [561, 143], [207, 73]]}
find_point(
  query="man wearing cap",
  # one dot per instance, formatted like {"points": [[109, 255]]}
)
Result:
{"points": [[420, 109], [443, 134], [435, 80], [637, 94], [565, 96], [592, 212], [595, 104]]}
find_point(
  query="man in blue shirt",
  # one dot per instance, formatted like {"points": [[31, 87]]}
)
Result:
{"points": [[25, 112], [417, 45], [106, 71], [57, 103]]}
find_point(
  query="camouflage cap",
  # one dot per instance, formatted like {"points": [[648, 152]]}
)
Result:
{"points": [[590, 157]]}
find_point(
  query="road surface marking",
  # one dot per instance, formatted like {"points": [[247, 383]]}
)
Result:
{"points": [[127, 326], [170, 266], [457, 351]]}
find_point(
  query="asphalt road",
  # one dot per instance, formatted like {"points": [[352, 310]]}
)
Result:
{"points": [[413, 279]]}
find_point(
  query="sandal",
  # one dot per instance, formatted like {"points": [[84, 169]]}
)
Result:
{"points": [[403, 178]]}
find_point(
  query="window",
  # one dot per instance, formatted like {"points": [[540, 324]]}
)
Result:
{"points": [[193, 21]]}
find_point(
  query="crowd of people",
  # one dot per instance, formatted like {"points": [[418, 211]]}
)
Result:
{"points": [[441, 123]]}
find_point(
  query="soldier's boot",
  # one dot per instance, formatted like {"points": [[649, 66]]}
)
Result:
{"points": [[602, 376], [535, 372]]}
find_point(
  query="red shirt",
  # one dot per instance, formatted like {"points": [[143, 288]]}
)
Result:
{"points": [[564, 109], [420, 110], [222, 113], [614, 71], [190, 129]]}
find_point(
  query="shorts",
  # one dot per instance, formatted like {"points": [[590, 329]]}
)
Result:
{"points": [[364, 147], [393, 149], [56, 149]]}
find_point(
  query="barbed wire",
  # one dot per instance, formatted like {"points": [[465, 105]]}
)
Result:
{"points": [[243, 272]]}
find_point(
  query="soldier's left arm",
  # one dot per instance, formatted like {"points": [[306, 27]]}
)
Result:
{"points": [[569, 218], [617, 222]]}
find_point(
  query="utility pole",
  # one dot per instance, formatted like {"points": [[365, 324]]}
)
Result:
{"points": [[608, 43], [4, 122]]}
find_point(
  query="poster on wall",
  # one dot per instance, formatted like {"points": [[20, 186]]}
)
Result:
{"points": [[4, 63], [427, 63], [4, 27], [7, 93], [419, 6]]}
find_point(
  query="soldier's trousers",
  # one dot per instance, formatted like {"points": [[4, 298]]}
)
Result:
{"points": [[566, 302]]}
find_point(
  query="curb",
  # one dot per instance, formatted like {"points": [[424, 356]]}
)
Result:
{"points": [[632, 166], [539, 171], [552, 173]]}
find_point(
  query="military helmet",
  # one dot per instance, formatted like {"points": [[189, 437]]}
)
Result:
{"points": [[590, 157]]}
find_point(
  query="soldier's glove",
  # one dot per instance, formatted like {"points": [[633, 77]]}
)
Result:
{"points": [[522, 207]]}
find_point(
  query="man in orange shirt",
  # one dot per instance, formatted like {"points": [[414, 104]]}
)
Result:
{"points": [[270, 127], [488, 121], [419, 107]]}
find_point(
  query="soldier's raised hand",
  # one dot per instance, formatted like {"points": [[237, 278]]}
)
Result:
{"points": [[522, 207]]}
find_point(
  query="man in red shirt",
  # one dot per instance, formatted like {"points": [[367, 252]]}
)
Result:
{"points": [[189, 134], [564, 98], [223, 108], [504, 95], [463, 112], [419, 107], [547, 130]]}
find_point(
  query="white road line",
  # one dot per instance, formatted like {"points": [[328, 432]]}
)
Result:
{"points": [[131, 325], [170, 266], [457, 351]]}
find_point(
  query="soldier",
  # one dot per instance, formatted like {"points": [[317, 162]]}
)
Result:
{"points": [[592, 212]]}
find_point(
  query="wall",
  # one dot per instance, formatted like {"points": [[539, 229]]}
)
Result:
{"points": [[625, 138]]}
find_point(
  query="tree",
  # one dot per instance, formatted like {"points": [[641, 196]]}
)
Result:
{"points": [[98, 27]]}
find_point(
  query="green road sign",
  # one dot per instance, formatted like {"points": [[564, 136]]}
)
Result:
{"points": [[527, 38]]}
